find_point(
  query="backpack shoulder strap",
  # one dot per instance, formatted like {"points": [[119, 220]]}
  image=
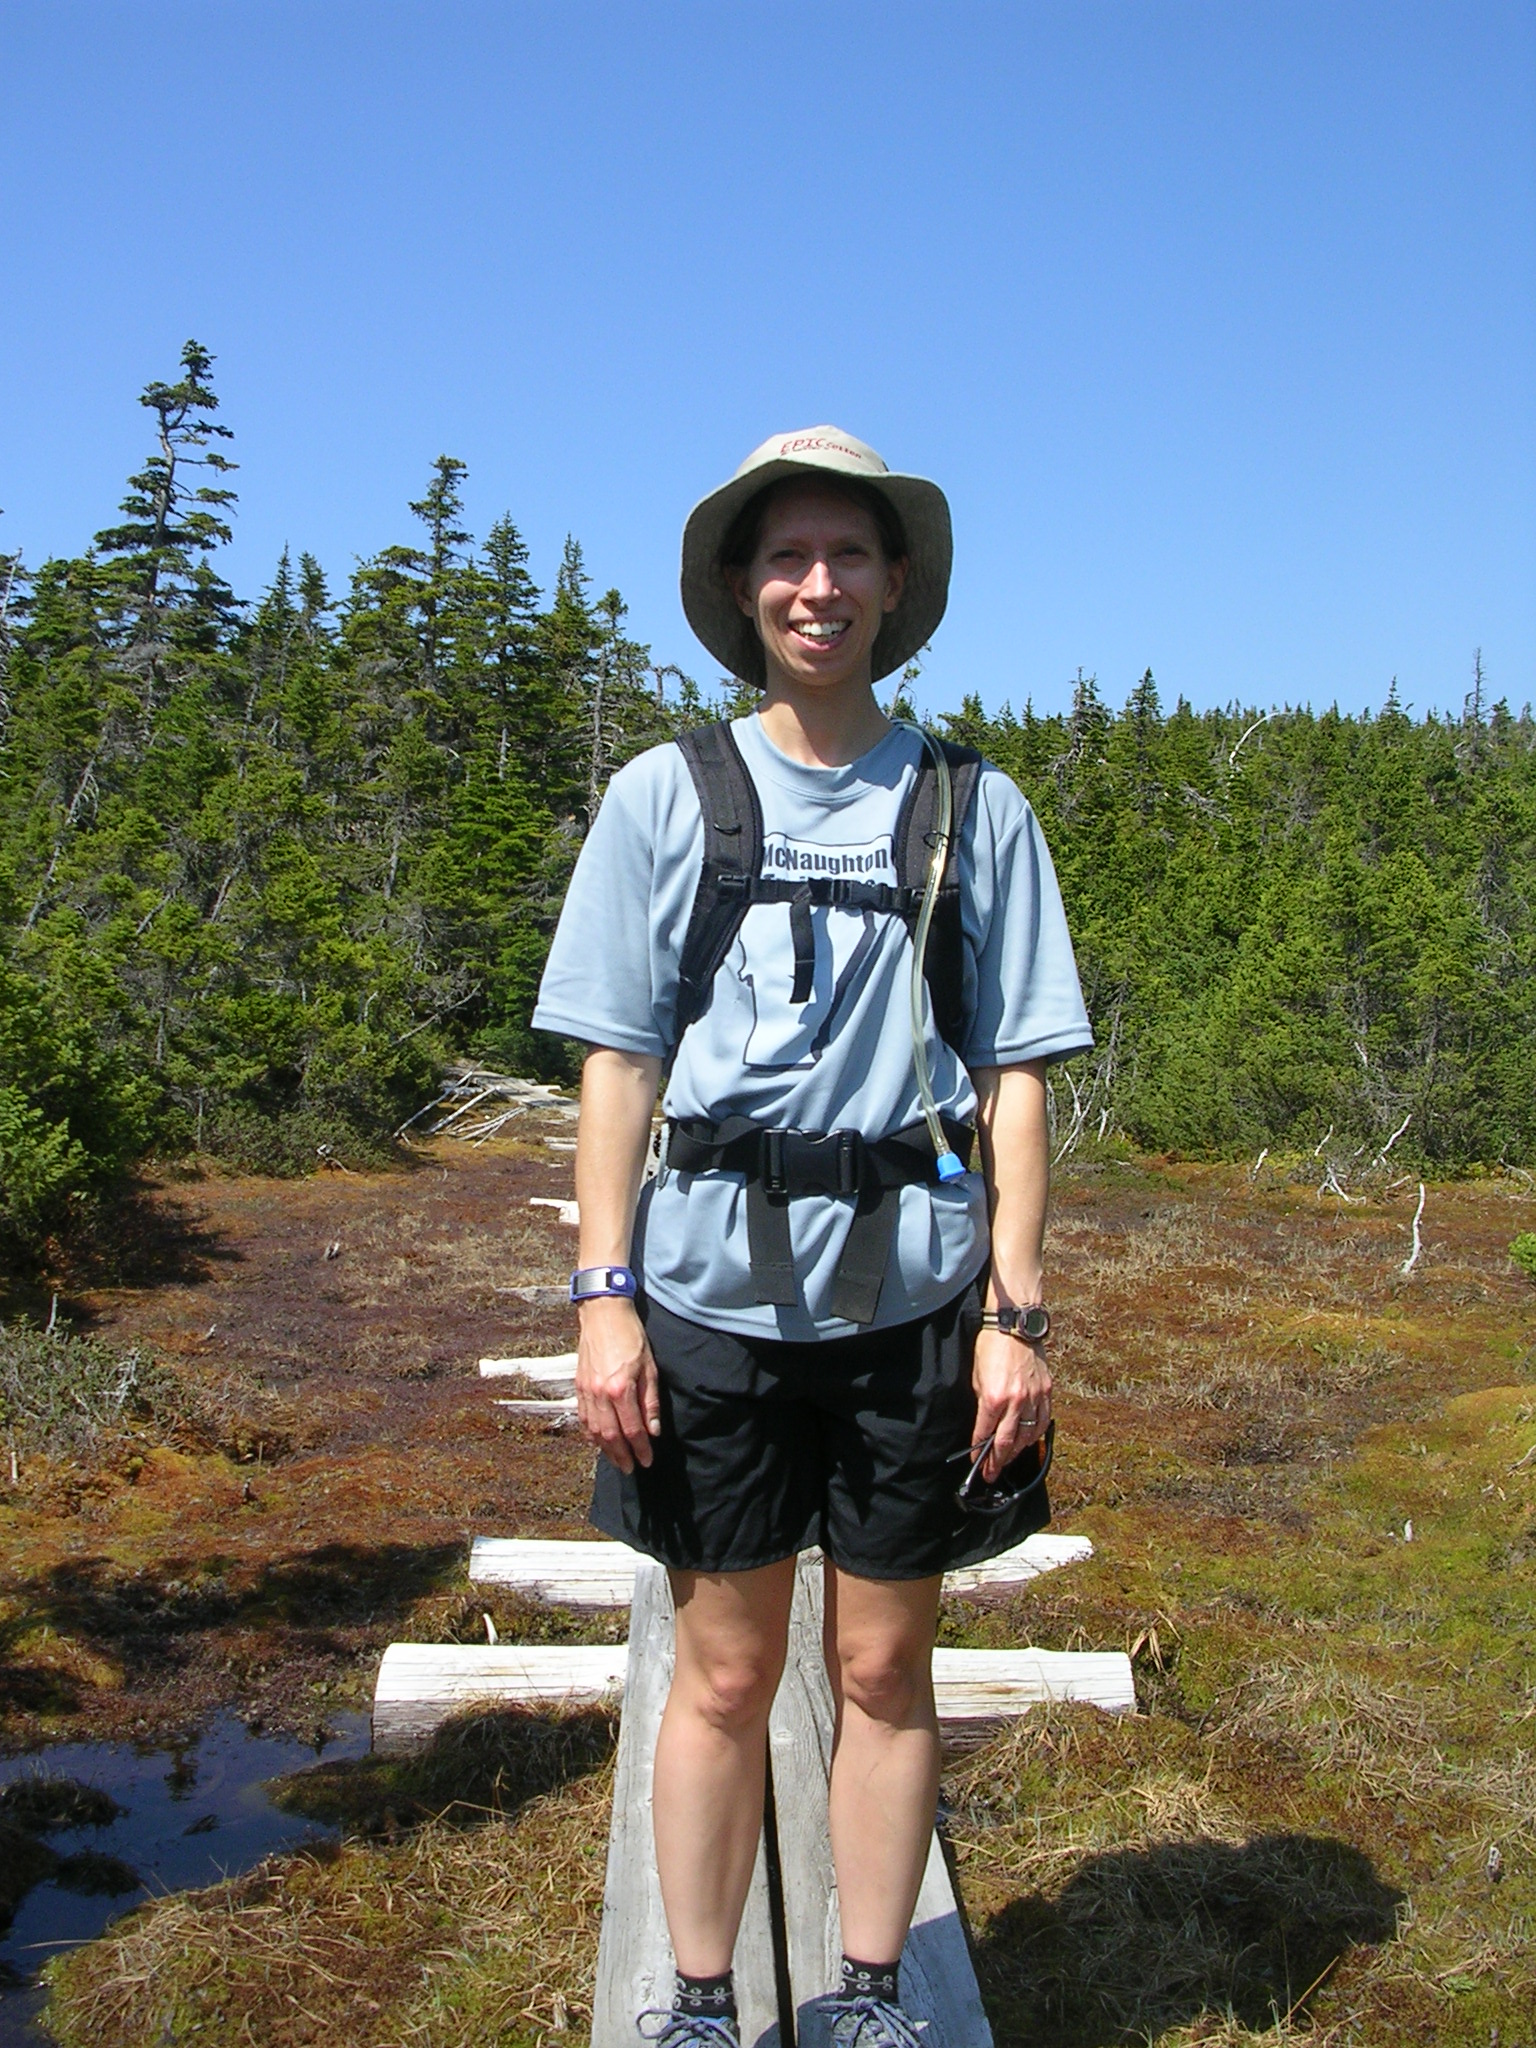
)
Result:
{"points": [[733, 854], [945, 965]]}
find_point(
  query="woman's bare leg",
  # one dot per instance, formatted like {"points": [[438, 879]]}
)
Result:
{"points": [[885, 1753], [711, 1754]]}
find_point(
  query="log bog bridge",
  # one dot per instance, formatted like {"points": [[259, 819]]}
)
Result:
{"points": [[789, 1950]]}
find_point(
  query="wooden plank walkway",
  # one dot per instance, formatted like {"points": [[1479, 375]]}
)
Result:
{"points": [[420, 1685], [634, 1957], [601, 1574], [789, 1950], [557, 1371]]}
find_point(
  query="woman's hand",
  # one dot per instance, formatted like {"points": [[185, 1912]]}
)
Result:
{"points": [[618, 1401], [1013, 1398]]}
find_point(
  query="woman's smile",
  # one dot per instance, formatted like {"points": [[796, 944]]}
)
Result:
{"points": [[820, 632]]}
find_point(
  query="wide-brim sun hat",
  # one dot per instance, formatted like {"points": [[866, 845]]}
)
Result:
{"points": [[827, 452]]}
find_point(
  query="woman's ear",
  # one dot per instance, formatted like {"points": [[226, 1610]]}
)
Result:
{"points": [[896, 583], [736, 582]]}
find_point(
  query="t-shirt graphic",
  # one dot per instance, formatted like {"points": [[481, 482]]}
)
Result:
{"points": [[785, 1034]]}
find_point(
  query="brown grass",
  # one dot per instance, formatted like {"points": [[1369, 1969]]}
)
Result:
{"points": [[1289, 1842]]}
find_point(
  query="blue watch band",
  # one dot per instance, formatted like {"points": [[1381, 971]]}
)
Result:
{"points": [[592, 1283]]}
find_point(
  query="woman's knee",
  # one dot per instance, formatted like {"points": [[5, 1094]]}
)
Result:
{"points": [[731, 1635], [887, 1681], [730, 1689]]}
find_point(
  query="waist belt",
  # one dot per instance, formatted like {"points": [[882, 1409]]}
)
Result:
{"points": [[781, 1165]]}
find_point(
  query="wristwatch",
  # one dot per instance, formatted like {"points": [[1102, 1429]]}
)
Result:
{"points": [[1029, 1325]]}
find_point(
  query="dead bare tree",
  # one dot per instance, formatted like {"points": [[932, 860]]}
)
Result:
{"points": [[1092, 1099], [11, 564], [1381, 1156], [1248, 735], [1418, 1244]]}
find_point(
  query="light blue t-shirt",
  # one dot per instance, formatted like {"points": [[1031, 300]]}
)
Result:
{"points": [[843, 1059]]}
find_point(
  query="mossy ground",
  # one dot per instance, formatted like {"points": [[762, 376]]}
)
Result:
{"points": [[1311, 1481], [1339, 1728]]}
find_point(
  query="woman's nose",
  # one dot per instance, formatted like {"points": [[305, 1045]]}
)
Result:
{"points": [[817, 581]]}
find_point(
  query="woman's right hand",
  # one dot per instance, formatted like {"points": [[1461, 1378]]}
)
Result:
{"points": [[618, 1399]]}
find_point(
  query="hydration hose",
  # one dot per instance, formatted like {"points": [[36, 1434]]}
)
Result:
{"points": [[948, 1163]]}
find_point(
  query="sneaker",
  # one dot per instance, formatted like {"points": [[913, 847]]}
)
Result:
{"points": [[672, 2029], [865, 2022]]}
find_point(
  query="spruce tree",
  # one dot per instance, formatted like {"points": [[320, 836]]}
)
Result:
{"points": [[440, 512], [156, 560], [263, 869]]}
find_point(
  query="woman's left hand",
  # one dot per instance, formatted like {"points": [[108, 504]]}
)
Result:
{"points": [[1013, 1398]]}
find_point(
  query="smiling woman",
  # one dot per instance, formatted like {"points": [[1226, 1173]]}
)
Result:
{"points": [[801, 1350]]}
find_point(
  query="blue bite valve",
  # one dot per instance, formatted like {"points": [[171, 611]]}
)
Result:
{"points": [[951, 1166]]}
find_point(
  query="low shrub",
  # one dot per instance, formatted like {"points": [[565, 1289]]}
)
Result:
{"points": [[66, 1395], [287, 1143]]}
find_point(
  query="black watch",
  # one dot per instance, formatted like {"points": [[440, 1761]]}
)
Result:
{"points": [[1029, 1325]]}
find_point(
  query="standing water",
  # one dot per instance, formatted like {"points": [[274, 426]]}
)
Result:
{"points": [[147, 1821]]}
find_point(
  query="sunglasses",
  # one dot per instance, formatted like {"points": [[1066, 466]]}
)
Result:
{"points": [[974, 1496]]}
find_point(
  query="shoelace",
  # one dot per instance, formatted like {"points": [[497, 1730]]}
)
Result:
{"points": [[866, 2022], [674, 2029]]}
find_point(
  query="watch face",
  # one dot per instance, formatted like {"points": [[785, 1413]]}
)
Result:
{"points": [[1034, 1323]]}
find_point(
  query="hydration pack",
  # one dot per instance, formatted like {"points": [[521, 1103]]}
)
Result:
{"points": [[731, 879]]}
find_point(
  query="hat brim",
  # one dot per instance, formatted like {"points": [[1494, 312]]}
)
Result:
{"points": [[718, 620]]}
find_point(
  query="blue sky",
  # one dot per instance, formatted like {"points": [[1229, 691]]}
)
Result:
{"points": [[1217, 322]]}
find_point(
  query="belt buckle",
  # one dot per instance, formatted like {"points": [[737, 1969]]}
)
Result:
{"points": [[774, 1180], [805, 1156], [812, 1162]]}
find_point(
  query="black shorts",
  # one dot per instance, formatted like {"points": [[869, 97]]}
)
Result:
{"points": [[767, 1449]]}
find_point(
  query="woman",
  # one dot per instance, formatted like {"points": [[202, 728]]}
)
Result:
{"points": [[816, 1322]]}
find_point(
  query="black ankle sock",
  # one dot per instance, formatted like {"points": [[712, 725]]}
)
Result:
{"points": [[712, 1997], [870, 1980]]}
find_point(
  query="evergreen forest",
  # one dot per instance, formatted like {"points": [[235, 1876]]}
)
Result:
{"points": [[267, 865]]}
